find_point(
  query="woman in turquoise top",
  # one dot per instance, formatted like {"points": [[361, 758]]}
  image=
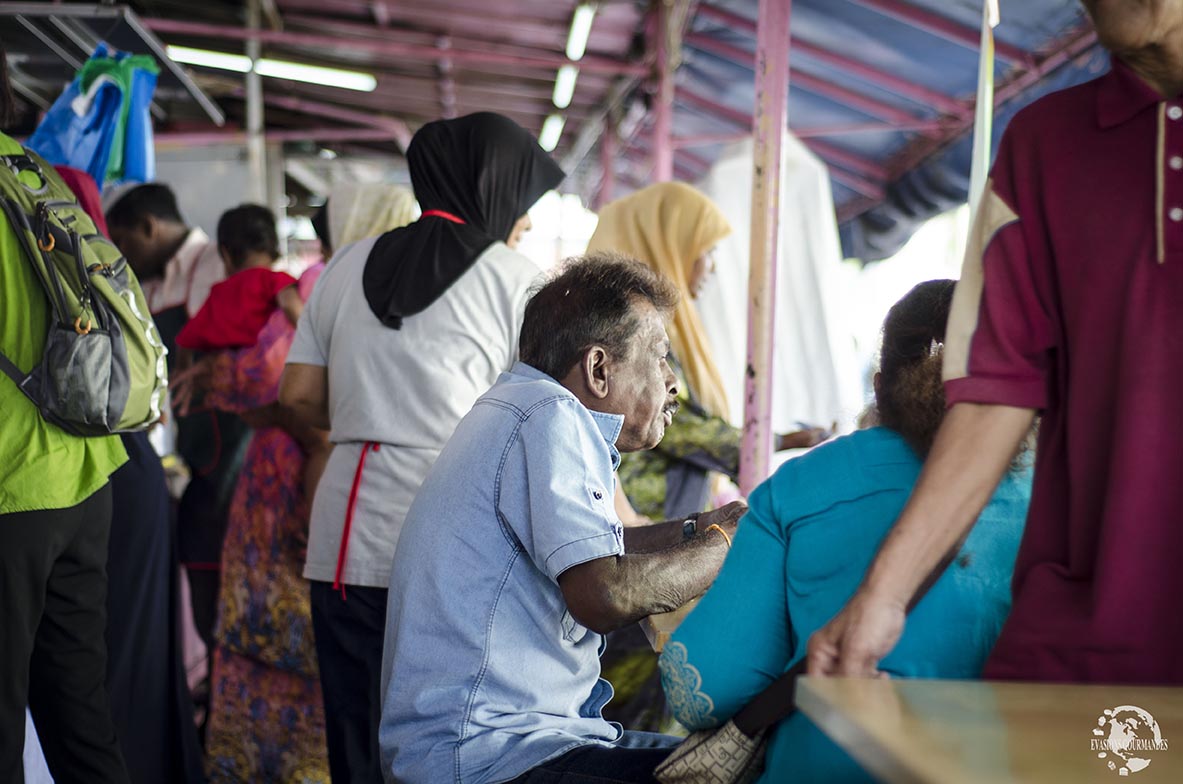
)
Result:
{"points": [[810, 535]]}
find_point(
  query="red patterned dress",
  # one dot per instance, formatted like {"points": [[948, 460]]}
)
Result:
{"points": [[266, 713]]}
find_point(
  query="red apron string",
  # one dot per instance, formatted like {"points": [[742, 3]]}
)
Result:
{"points": [[361, 465], [442, 214]]}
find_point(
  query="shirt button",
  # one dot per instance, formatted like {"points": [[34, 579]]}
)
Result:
{"points": [[598, 495], [1176, 162], [1174, 112], [1176, 214]]}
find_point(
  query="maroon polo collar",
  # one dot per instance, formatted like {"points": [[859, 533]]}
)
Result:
{"points": [[1121, 94]]}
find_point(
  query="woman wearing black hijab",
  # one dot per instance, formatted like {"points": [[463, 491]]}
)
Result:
{"points": [[400, 336]]}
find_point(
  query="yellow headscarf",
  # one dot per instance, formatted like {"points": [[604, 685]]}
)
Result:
{"points": [[360, 210], [668, 226]]}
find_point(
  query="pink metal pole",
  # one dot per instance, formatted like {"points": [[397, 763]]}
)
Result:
{"points": [[772, 113], [663, 114]]}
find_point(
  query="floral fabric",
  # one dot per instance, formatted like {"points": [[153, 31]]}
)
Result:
{"points": [[266, 714]]}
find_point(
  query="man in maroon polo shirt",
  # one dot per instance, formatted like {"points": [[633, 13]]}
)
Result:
{"points": [[1070, 304]]}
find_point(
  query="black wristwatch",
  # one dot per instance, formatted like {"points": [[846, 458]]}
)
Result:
{"points": [[690, 527]]}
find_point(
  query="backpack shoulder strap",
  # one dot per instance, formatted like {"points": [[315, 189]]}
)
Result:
{"points": [[18, 377]]}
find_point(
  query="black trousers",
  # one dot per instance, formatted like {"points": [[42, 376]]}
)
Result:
{"points": [[53, 593], [150, 701], [349, 634]]}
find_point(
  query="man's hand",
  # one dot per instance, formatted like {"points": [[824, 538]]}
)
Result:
{"points": [[857, 638], [804, 439], [726, 517]]}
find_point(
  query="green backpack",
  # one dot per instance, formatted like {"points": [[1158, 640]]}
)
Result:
{"points": [[103, 368]]}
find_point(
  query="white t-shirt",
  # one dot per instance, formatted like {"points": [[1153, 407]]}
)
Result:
{"points": [[403, 389]]}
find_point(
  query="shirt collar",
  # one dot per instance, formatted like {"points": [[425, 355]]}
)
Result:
{"points": [[609, 425], [191, 249], [1121, 94]]}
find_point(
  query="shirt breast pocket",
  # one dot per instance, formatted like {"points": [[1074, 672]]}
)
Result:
{"points": [[573, 631]]}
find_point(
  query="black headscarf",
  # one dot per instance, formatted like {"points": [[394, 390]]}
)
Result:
{"points": [[482, 168]]}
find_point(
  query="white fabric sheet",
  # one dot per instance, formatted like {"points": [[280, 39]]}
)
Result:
{"points": [[815, 372]]}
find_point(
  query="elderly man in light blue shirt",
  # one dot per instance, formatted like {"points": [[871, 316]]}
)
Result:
{"points": [[512, 564]]}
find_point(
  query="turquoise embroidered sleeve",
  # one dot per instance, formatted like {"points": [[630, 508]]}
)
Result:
{"points": [[737, 640], [683, 689]]}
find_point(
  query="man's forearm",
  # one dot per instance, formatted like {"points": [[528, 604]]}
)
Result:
{"points": [[663, 581], [653, 537], [972, 451]]}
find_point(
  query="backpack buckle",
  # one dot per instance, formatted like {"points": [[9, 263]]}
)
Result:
{"points": [[19, 164]]}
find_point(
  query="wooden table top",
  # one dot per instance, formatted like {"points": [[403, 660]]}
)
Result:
{"points": [[977, 732]]}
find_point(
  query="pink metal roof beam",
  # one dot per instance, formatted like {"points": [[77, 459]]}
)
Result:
{"points": [[331, 134], [889, 82], [812, 132], [946, 28], [832, 154], [842, 95], [538, 60]]}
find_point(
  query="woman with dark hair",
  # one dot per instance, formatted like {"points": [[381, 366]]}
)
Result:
{"points": [[402, 334], [809, 536], [266, 714]]}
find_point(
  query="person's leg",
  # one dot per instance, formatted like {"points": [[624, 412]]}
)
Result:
{"points": [[631, 761], [29, 542], [349, 633], [67, 683], [140, 667]]}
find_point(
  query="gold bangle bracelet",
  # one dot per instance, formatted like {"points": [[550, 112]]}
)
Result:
{"points": [[719, 528]]}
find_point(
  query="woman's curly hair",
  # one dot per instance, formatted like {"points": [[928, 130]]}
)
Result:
{"points": [[909, 394]]}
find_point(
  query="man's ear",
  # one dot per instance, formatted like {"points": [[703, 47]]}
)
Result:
{"points": [[149, 226], [877, 381], [595, 371]]}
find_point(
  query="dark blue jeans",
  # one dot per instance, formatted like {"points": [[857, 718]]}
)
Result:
{"points": [[631, 761]]}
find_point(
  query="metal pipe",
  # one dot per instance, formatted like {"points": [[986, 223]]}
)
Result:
{"points": [[541, 60], [715, 109], [945, 28], [663, 111], [834, 92], [812, 132], [902, 87], [771, 120], [319, 134], [51, 44], [256, 148], [833, 154], [394, 128]]}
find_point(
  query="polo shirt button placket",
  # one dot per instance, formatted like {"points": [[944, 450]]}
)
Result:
{"points": [[1171, 184]]}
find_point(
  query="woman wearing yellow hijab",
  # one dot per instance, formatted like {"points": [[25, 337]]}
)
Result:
{"points": [[672, 228]]}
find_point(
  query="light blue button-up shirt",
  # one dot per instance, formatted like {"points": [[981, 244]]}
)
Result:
{"points": [[486, 674]]}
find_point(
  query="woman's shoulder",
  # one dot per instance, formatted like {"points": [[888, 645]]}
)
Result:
{"points": [[872, 446], [505, 262], [845, 469]]}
